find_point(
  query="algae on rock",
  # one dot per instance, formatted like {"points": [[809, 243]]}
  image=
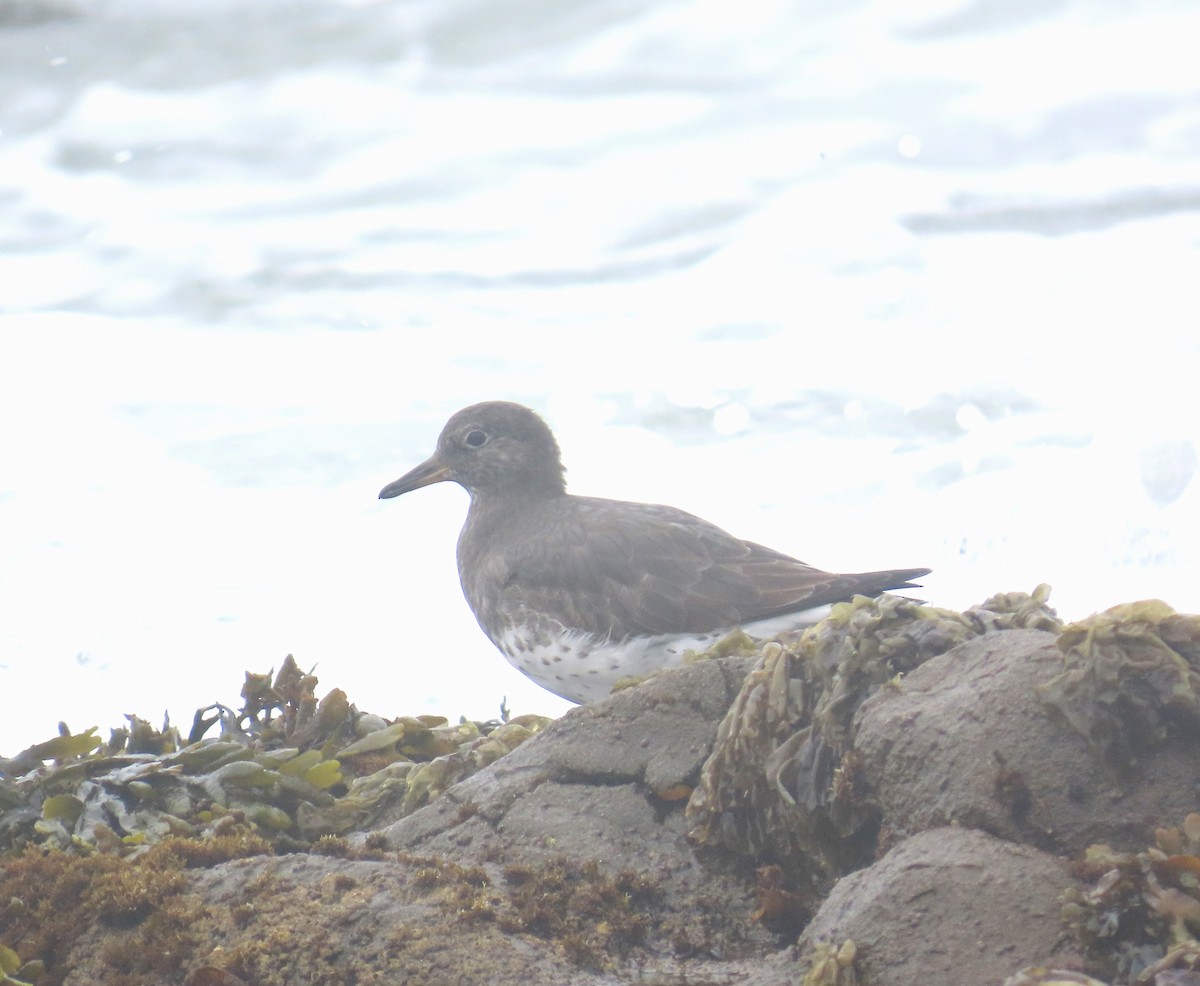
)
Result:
{"points": [[782, 776], [1131, 676]]}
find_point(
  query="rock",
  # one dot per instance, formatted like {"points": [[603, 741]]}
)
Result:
{"points": [[965, 739], [948, 906], [970, 789], [656, 735], [606, 785]]}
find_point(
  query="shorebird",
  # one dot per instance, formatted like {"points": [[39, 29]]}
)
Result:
{"points": [[578, 592]]}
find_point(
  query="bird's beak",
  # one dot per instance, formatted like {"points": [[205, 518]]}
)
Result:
{"points": [[426, 474]]}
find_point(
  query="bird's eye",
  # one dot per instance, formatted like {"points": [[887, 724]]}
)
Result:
{"points": [[475, 438]]}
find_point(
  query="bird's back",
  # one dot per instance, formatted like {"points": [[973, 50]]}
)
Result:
{"points": [[617, 569]]}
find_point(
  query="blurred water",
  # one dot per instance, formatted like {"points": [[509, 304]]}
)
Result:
{"points": [[878, 284]]}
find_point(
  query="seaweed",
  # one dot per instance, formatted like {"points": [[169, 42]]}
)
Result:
{"points": [[782, 779], [285, 768], [832, 965], [1131, 679], [1138, 915]]}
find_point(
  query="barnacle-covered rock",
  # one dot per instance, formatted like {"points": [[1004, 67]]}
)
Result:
{"points": [[781, 776], [1131, 676]]}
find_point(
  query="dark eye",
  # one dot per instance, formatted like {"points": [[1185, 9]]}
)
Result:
{"points": [[475, 438]]}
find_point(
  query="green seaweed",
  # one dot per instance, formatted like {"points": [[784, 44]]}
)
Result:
{"points": [[287, 766], [832, 965], [782, 774], [13, 971], [1131, 679]]}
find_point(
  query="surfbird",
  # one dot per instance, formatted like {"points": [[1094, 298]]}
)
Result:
{"points": [[578, 592]]}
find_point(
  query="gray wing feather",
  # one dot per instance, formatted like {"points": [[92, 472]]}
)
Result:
{"points": [[651, 569]]}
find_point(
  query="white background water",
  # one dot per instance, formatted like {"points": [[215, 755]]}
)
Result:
{"points": [[876, 283]]}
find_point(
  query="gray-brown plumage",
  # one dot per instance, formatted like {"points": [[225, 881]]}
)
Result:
{"points": [[578, 591]]}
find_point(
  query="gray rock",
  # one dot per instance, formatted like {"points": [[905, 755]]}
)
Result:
{"points": [[948, 906], [964, 739], [568, 861]]}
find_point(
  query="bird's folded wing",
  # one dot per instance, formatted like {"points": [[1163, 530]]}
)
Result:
{"points": [[658, 570]]}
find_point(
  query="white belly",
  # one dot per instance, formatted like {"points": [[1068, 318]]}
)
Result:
{"points": [[581, 668]]}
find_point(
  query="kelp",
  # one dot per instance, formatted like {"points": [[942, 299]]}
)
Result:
{"points": [[286, 766]]}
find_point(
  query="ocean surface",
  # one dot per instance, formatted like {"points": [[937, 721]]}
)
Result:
{"points": [[879, 284]]}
